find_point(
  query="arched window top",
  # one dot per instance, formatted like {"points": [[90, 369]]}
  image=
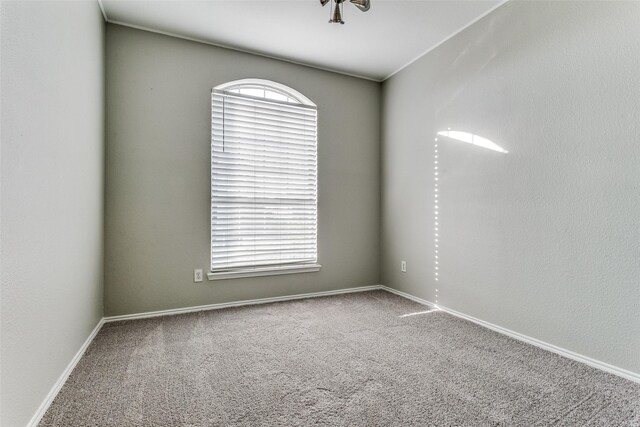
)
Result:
{"points": [[265, 89]]}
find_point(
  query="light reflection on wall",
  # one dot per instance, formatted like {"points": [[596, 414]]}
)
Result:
{"points": [[436, 234], [470, 138]]}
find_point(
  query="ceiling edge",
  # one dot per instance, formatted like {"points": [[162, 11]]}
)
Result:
{"points": [[446, 39], [197, 40], [104, 15]]}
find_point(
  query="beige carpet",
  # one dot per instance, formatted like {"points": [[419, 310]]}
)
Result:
{"points": [[349, 360]]}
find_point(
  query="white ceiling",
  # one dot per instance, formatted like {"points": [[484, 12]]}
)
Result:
{"points": [[373, 44]]}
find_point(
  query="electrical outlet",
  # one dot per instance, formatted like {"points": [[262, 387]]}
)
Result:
{"points": [[197, 275], [403, 266]]}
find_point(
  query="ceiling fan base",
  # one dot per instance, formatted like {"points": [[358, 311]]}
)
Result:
{"points": [[362, 5]]}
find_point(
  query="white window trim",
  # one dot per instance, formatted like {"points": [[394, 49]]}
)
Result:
{"points": [[271, 84], [267, 271], [303, 102]]}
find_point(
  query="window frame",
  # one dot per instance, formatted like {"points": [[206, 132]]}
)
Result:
{"points": [[299, 100]]}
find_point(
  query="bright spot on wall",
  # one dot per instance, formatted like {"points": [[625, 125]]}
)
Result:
{"points": [[470, 138], [436, 211], [418, 312]]}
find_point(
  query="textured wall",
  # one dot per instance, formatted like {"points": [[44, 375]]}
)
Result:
{"points": [[52, 166], [158, 173], [543, 240]]}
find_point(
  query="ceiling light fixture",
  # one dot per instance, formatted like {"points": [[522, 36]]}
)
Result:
{"points": [[336, 16]]}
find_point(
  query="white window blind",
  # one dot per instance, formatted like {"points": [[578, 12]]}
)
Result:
{"points": [[263, 182]]}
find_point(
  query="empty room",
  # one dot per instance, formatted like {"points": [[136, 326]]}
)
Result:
{"points": [[319, 213]]}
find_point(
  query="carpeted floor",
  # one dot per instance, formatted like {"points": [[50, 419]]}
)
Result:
{"points": [[348, 360]]}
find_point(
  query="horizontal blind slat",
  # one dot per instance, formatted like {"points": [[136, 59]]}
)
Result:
{"points": [[253, 125], [247, 102], [261, 118], [251, 263], [273, 137], [269, 158], [247, 165], [263, 250]]}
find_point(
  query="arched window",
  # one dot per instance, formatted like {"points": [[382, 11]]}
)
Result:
{"points": [[263, 180]]}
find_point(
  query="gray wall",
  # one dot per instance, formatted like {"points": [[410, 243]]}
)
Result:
{"points": [[52, 166], [543, 240], [158, 169]]}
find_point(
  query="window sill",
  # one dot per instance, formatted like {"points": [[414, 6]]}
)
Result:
{"points": [[268, 271]]}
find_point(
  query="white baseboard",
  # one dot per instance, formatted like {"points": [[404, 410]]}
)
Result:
{"points": [[63, 378], [409, 296], [550, 347], [632, 376], [237, 304]]}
